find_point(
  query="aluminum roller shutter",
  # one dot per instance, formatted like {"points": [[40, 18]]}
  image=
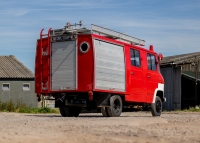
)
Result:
{"points": [[110, 66], [63, 65]]}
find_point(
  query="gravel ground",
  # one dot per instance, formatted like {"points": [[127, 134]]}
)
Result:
{"points": [[131, 127]]}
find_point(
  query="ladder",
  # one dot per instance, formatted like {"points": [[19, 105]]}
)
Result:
{"points": [[117, 35], [45, 54], [97, 30]]}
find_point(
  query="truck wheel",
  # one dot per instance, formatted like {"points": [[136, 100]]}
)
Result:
{"points": [[115, 108], [72, 111], [104, 111], [67, 111], [62, 111], [156, 108], [75, 111]]}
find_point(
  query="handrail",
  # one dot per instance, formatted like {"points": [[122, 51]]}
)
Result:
{"points": [[49, 40], [41, 37]]}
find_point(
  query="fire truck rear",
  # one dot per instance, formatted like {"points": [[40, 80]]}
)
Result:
{"points": [[97, 68]]}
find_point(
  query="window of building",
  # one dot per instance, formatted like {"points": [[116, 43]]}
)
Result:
{"points": [[26, 86], [135, 57], [6, 86], [151, 62]]}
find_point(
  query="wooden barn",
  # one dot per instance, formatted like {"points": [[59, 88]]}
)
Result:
{"points": [[182, 81], [17, 82]]}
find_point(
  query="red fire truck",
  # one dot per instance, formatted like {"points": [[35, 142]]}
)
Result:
{"points": [[97, 68]]}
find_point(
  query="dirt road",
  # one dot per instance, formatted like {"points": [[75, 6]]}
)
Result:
{"points": [[131, 127]]}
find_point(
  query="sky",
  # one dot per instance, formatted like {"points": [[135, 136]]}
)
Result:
{"points": [[171, 26]]}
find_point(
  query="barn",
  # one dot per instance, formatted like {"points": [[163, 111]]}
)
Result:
{"points": [[17, 82], [182, 81]]}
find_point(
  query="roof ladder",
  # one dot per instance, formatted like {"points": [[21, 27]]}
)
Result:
{"points": [[45, 50], [117, 35]]}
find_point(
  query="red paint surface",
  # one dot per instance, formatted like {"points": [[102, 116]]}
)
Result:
{"points": [[85, 64]]}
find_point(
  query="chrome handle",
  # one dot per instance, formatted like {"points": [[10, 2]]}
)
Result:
{"points": [[149, 76]]}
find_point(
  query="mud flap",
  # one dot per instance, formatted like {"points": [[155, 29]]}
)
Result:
{"points": [[103, 100]]}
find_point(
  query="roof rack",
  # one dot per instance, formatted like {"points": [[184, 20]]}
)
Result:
{"points": [[71, 29], [117, 35]]}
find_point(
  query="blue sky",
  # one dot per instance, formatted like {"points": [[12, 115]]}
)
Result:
{"points": [[172, 26]]}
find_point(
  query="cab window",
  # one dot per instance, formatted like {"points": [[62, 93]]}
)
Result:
{"points": [[151, 62], [135, 57]]}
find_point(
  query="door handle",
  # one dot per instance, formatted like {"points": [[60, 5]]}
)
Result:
{"points": [[132, 73], [149, 76]]}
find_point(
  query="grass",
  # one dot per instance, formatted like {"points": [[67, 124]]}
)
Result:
{"points": [[191, 109], [21, 107]]}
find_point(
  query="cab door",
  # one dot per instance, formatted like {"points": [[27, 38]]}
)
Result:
{"points": [[136, 73], [152, 76]]}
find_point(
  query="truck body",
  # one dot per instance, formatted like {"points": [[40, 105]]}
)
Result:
{"points": [[97, 68]]}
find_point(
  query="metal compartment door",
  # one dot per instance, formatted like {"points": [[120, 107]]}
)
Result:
{"points": [[109, 67], [63, 65]]}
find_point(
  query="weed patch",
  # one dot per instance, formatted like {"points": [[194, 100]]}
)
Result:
{"points": [[21, 107]]}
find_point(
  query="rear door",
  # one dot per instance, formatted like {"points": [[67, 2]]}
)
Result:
{"points": [[137, 85], [151, 76]]}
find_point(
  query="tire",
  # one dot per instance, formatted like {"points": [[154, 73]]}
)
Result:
{"points": [[104, 111], [75, 111], [115, 108], [62, 111], [72, 111], [156, 108], [67, 111]]}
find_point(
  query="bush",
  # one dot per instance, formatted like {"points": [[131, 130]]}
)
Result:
{"points": [[21, 107], [7, 106]]}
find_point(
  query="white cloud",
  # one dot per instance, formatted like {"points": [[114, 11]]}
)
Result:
{"points": [[14, 12]]}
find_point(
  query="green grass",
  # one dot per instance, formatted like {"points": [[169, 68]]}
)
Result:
{"points": [[191, 109], [21, 107]]}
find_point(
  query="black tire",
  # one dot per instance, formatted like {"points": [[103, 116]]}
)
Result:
{"points": [[75, 111], [72, 111], [104, 111], [62, 111], [156, 108], [115, 108], [67, 111]]}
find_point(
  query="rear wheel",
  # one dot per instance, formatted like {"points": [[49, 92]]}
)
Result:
{"points": [[104, 111], [156, 108], [70, 111], [62, 111], [75, 111], [115, 108]]}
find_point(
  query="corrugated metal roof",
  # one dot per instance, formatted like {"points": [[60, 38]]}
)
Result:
{"points": [[180, 59], [11, 67]]}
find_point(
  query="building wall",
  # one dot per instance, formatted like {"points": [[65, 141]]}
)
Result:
{"points": [[191, 67], [172, 88], [16, 92]]}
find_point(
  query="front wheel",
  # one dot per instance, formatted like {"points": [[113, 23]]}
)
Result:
{"points": [[115, 108], [156, 108]]}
